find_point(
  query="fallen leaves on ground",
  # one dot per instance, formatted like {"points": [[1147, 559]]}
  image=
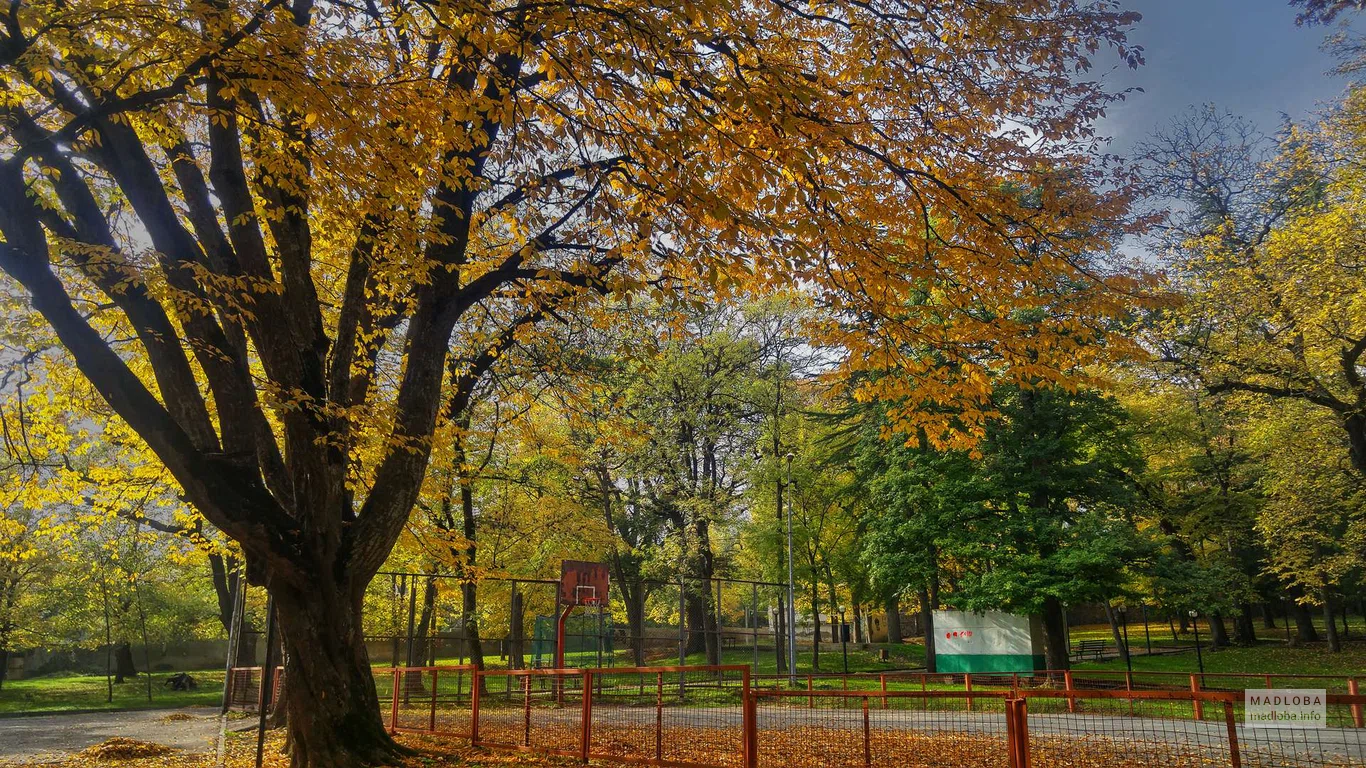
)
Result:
{"points": [[121, 749]]}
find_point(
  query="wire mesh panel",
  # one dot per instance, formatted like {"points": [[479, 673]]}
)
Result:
{"points": [[678, 716], [1341, 742], [244, 687], [831, 729], [1115, 728], [540, 711], [430, 699]]}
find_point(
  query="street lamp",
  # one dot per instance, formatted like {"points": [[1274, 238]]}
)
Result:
{"points": [[1199, 658], [791, 606], [844, 640]]}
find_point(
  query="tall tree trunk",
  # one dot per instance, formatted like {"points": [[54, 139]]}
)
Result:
{"points": [[634, 597], [927, 604], [696, 604], [1217, 631], [4, 665], [1330, 622], [1244, 628], [1114, 632], [859, 637], [815, 621], [225, 572], [1055, 634], [517, 633], [1304, 623], [123, 662], [704, 635], [417, 655], [893, 610], [469, 594], [1268, 617], [333, 709]]}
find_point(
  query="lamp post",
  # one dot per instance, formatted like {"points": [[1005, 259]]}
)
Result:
{"points": [[1199, 657], [791, 606], [844, 640]]}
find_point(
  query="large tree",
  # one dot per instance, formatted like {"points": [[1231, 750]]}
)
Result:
{"points": [[260, 227]]}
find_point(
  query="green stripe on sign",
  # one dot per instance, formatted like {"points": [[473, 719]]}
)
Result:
{"points": [[993, 662]]}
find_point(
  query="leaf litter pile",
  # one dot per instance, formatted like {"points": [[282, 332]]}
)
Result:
{"points": [[121, 749], [788, 748]]}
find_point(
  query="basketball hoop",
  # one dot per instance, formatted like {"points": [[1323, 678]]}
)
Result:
{"points": [[581, 584]]}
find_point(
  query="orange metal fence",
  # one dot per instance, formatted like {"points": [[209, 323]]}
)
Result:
{"points": [[723, 717]]}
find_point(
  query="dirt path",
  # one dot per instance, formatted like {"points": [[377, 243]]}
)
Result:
{"points": [[48, 737]]}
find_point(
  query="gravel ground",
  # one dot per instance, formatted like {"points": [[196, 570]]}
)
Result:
{"points": [[48, 737]]}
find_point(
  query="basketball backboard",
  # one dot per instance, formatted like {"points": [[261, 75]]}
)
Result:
{"points": [[583, 583]]}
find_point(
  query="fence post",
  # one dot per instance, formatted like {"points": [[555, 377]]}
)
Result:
{"points": [[1356, 706], [526, 710], [867, 738], [1067, 684], [1235, 759], [659, 716], [749, 724], [810, 686], [1196, 705], [1022, 732], [882, 679], [1012, 742], [431, 725], [474, 705], [586, 735], [967, 686], [393, 709]]}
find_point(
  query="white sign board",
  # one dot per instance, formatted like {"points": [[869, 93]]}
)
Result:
{"points": [[1285, 708], [986, 634]]}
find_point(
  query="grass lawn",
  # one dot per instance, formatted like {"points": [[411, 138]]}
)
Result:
{"points": [[67, 692], [1266, 657]]}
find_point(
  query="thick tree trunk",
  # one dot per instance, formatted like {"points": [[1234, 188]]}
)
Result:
{"points": [[858, 624], [927, 623], [1055, 634], [1244, 628], [1304, 623], [4, 666], [1330, 622], [333, 710], [893, 610], [635, 621], [1268, 617], [123, 662], [1218, 632], [696, 603]]}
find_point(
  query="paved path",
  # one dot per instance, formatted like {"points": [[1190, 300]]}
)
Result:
{"points": [[48, 737]]}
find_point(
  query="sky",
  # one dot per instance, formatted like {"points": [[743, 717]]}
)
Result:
{"points": [[1243, 56]]}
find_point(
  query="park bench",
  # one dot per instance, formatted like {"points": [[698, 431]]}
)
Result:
{"points": [[1095, 648]]}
